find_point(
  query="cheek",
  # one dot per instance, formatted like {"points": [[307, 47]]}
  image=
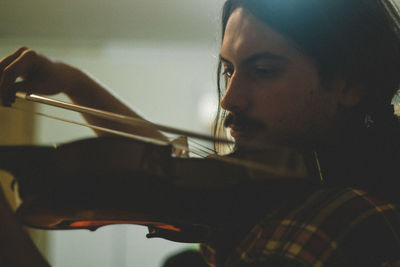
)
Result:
{"points": [[292, 108]]}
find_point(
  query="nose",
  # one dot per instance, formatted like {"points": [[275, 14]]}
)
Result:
{"points": [[236, 97]]}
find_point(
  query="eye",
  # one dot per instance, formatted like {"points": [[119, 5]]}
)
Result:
{"points": [[228, 72]]}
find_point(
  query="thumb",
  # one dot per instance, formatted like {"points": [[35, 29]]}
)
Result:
{"points": [[3, 199], [24, 86]]}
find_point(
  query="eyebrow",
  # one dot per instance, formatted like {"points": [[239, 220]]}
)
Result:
{"points": [[259, 56]]}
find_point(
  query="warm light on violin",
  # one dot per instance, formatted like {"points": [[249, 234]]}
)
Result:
{"points": [[97, 224], [113, 180]]}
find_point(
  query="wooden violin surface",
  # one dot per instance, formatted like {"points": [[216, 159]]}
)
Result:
{"points": [[111, 180]]}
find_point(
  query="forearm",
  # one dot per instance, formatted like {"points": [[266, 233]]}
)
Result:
{"points": [[88, 92], [46, 76]]}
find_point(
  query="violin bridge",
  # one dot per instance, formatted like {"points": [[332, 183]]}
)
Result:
{"points": [[180, 147]]}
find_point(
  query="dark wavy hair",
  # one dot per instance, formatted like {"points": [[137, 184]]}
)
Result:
{"points": [[354, 39]]}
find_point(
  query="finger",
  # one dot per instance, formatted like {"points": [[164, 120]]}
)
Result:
{"points": [[24, 86], [19, 67], [4, 62], [2, 196]]}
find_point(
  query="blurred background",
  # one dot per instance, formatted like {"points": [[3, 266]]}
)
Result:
{"points": [[160, 56]]}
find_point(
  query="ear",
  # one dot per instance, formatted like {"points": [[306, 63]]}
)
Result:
{"points": [[351, 95], [348, 94]]}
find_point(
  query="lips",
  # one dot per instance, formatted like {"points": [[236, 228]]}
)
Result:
{"points": [[243, 126], [240, 131]]}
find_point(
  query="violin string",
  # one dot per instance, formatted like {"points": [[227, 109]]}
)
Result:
{"points": [[155, 141], [114, 116], [200, 152], [199, 148], [124, 119], [210, 150], [115, 132], [206, 150]]}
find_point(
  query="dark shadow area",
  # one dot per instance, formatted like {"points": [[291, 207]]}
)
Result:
{"points": [[192, 258]]}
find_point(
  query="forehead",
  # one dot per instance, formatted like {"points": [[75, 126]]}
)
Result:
{"points": [[246, 35]]}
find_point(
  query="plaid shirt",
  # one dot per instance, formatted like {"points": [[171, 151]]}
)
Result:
{"points": [[327, 227]]}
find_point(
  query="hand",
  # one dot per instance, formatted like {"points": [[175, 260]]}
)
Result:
{"points": [[3, 200], [42, 75], [39, 74]]}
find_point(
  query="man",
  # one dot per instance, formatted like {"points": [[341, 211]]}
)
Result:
{"points": [[317, 76]]}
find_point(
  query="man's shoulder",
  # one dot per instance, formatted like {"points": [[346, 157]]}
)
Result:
{"points": [[324, 225], [331, 208]]}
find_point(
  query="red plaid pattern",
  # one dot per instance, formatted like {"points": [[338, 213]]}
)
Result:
{"points": [[329, 227]]}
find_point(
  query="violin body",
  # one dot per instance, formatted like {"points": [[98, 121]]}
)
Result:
{"points": [[113, 180]]}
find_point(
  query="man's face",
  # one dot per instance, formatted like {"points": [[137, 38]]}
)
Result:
{"points": [[270, 81]]}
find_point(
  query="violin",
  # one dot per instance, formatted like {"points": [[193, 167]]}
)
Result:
{"points": [[94, 182]]}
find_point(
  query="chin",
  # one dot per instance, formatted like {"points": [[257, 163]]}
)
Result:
{"points": [[253, 143], [264, 142]]}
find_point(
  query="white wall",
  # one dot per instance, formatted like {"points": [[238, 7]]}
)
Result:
{"points": [[160, 56], [164, 82]]}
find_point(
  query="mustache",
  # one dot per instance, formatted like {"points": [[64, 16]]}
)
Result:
{"points": [[241, 120]]}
